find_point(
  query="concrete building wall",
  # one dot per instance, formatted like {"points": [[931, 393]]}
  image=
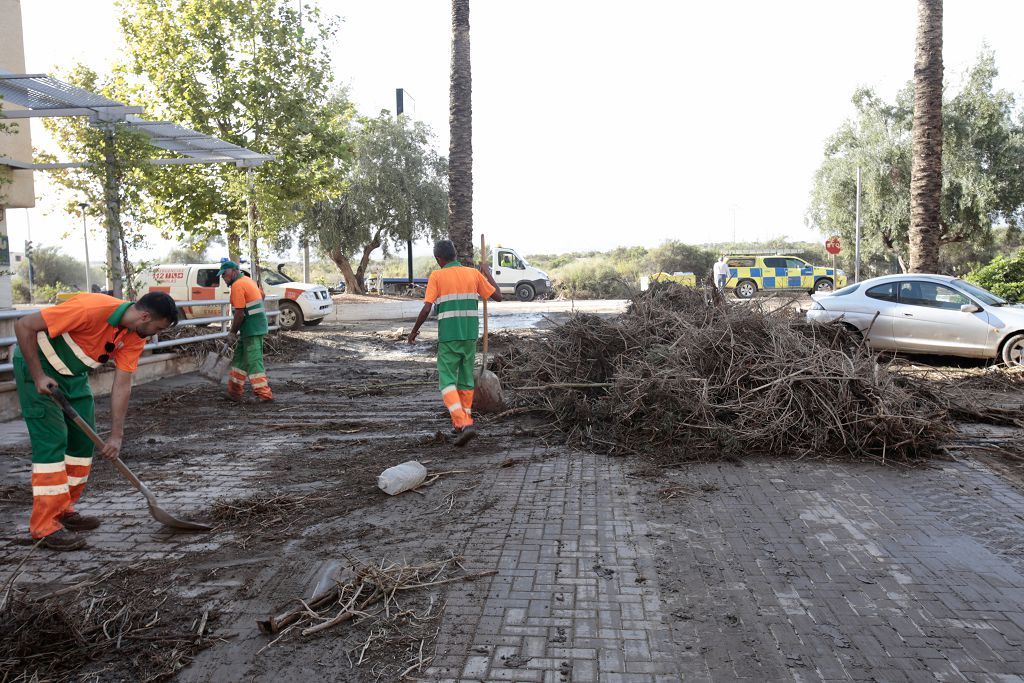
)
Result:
{"points": [[16, 187]]}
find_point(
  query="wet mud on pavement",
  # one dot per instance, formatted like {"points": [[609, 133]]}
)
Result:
{"points": [[606, 569]]}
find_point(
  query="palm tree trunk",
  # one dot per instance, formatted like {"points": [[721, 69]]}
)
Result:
{"points": [[926, 171], [460, 151]]}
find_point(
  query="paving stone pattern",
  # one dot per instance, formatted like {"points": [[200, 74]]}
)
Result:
{"points": [[576, 596], [844, 572], [774, 571]]}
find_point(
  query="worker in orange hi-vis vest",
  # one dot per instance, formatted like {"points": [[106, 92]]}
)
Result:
{"points": [[57, 347], [249, 327], [456, 290]]}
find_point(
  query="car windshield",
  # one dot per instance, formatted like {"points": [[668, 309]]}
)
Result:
{"points": [[982, 295], [273, 278]]}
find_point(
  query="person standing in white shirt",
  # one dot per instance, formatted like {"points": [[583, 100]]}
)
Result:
{"points": [[721, 271]]}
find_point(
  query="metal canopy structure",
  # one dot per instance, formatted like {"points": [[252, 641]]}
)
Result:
{"points": [[195, 146], [43, 96]]}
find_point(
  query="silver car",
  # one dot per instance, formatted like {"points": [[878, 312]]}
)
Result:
{"points": [[927, 314]]}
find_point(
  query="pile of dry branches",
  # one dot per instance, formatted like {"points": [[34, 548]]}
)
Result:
{"points": [[106, 628], [683, 375], [375, 596]]}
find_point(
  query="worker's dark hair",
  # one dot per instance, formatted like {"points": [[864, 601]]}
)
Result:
{"points": [[445, 250], [160, 305]]}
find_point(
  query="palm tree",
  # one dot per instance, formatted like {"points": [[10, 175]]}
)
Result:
{"points": [[926, 170], [460, 149]]}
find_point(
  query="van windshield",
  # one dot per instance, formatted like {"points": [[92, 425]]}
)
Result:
{"points": [[274, 278]]}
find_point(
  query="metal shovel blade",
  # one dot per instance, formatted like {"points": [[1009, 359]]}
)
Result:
{"points": [[158, 513], [488, 397], [215, 365]]}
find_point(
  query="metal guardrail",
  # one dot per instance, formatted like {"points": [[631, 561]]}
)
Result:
{"points": [[155, 343]]}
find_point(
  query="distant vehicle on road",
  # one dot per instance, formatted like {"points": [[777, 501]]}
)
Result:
{"points": [[517, 277], [512, 273], [934, 314], [749, 274]]}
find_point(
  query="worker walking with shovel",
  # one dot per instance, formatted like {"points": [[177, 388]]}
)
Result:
{"points": [[248, 327], [57, 347], [457, 291]]}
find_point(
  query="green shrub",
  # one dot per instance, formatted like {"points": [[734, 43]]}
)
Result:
{"points": [[593, 280], [1003, 276]]}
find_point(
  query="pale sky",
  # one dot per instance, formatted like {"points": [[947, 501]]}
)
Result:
{"points": [[601, 123]]}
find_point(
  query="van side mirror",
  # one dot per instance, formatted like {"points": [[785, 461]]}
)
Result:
{"points": [[970, 308]]}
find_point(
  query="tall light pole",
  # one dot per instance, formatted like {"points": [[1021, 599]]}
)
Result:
{"points": [[85, 234], [856, 241], [399, 109]]}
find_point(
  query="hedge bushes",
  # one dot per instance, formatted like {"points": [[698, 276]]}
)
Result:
{"points": [[1003, 276]]}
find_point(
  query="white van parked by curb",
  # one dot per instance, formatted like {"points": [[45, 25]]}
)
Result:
{"points": [[301, 303]]}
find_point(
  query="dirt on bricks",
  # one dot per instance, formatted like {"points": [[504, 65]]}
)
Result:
{"points": [[606, 569]]}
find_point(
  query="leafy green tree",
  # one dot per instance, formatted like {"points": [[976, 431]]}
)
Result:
{"points": [[982, 185], [50, 267], [1004, 277], [114, 178], [395, 190], [255, 73], [673, 256]]}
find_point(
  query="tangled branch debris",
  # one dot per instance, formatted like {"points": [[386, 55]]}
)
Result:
{"points": [[374, 596], [683, 375], [263, 509], [105, 626]]}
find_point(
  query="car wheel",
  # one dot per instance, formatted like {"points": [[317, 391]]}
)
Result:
{"points": [[823, 285], [1013, 350], [525, 292], [746, 289], [311, 323], [291, 316]]}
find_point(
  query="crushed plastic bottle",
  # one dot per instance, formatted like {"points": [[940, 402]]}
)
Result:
{"points": [[395, 480]]}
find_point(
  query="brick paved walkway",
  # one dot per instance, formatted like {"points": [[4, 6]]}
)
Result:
{"points": [[774, 571], [576, 598], [844, 572]]}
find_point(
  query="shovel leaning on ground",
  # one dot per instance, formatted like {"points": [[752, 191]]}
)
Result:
{"points": [[158, 513], [487, 396], [216, 364]]}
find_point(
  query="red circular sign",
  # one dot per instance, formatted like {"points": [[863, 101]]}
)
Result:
{"points": [[833, 245]]}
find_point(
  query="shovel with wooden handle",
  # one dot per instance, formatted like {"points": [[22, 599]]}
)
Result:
{"points": [[487, 396], [158, 513]]}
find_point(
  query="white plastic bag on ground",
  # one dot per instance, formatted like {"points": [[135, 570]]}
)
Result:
{"points": [[408, 475]]}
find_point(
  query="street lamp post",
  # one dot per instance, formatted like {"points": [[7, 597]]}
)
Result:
{"points": [[399, 110], [85, 234]]}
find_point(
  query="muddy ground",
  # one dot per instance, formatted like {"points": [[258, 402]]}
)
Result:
{"points": [[290, 488]]}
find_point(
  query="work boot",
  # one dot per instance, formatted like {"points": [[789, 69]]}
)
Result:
{"points": [[62, 539], [76, 521], [465, 436]]}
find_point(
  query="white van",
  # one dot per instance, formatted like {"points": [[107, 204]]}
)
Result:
{"points": [[300, 304], [515, 276]]}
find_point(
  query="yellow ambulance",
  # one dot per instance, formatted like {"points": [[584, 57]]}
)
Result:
{"points": [[750, 274]]}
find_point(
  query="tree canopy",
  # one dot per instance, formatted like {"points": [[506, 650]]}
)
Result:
{"points": [[983, 153], [395, 190], [255, 73]]}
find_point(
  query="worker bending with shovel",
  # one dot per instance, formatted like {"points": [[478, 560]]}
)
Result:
{"points": [[248, 327], [57, 347], [457, 290]]}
